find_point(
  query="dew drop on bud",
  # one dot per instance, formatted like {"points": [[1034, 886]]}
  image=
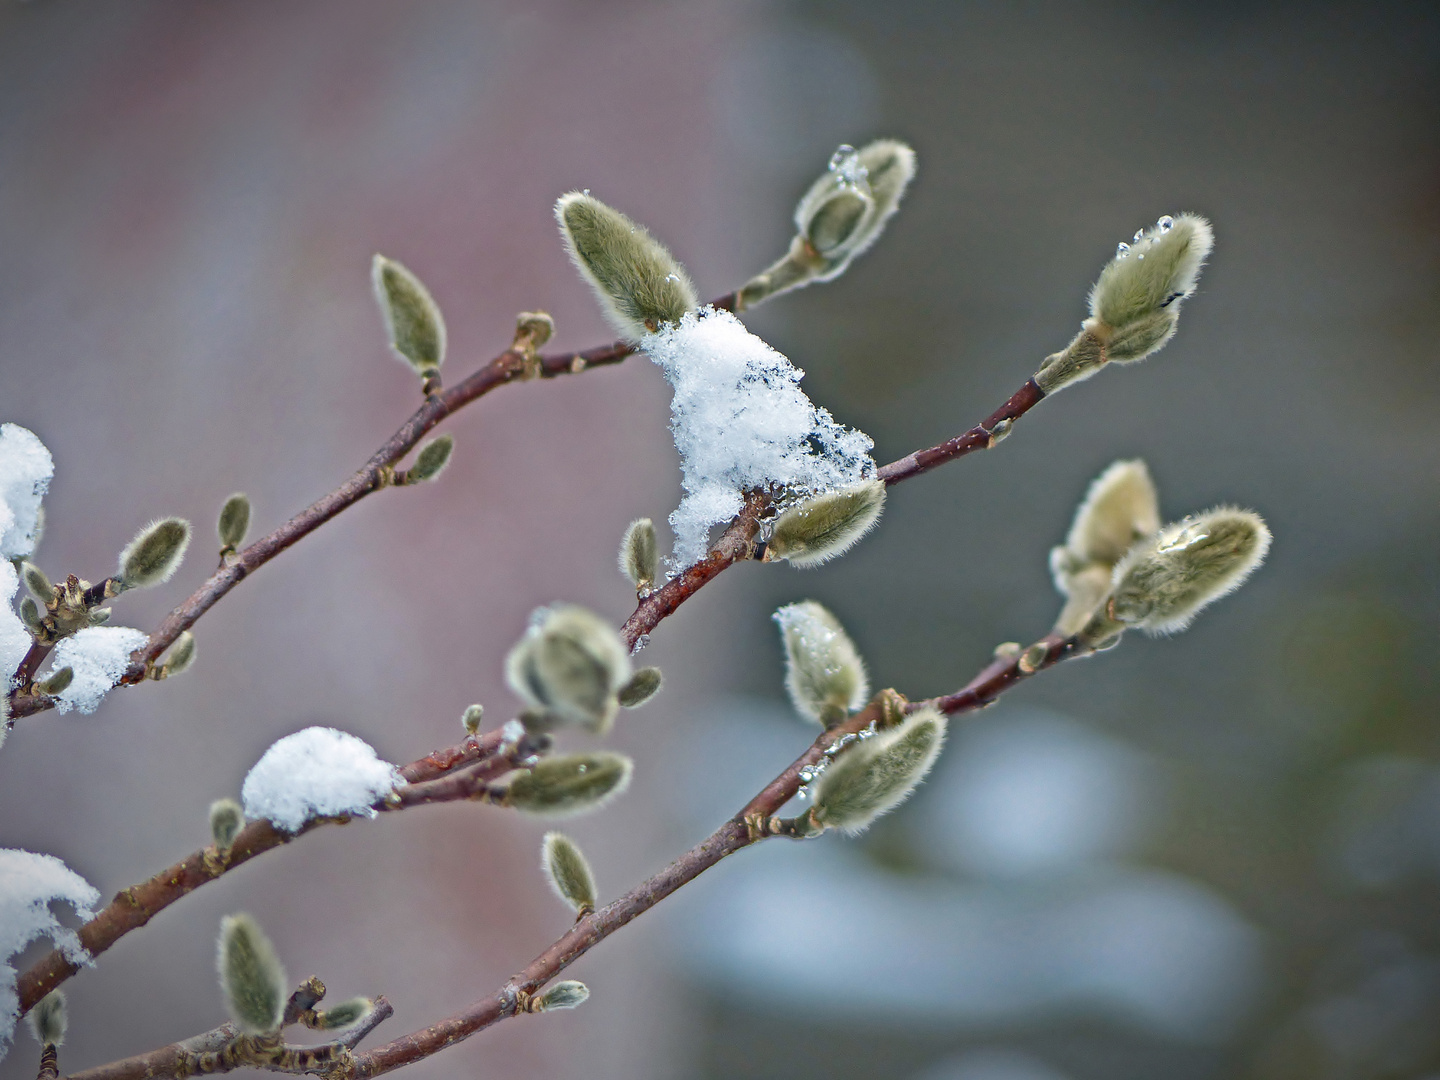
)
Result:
{"points": [[1139, 235], [1166, 222], [1122, 249]]}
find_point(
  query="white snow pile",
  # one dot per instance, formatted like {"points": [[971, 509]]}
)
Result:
{"points": [[318, 772], [14, 639], [740, 421], [99, 656], [25, 471], [29, 884]]}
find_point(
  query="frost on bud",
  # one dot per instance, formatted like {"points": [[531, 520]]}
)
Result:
{"points": [[234, 521], [828, 525], [344, 1015], [155, 553], [181, 655], [569, 666], [568, 872], [1165, 580], [572, 784], [226, 821], [846, 209], [472, 716], [567, 994], [638, 559], [639, 284], [412, 318], [48, 1020], [431, 460], [251, 976], [39, 585], [57, 682], [877, 775], [824, 674], [643, 686]]}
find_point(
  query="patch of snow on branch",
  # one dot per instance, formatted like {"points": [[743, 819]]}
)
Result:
{"points": [[25, 471], [741, 421], [29, 884], [318, 772], [99, 656], [14, 639]]}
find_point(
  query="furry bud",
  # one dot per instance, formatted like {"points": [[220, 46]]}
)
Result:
{"points": [[570, 666], [472, 716], [226, 821], [431, 460], [1152, 274], [155, 553], [567, 994], [643, 686], [251, 977], [535, 328], [1083, 357], [35, 580], [1165, 580], [412, 318], [568, 872], [30, 614], [639, 284], [878, 774], [846, 209], [48, 1019], [828, 525], [57, 682], [344, 1015], [572, 784], [638, 559], [234, 521], [181, 655], [824, 673], [99, 616]]}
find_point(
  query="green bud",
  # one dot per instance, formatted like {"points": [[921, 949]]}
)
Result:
{"points": [[181, 655], [570, 666], [226, 821], [1144, 336], [251, 977], [99, 616], [643, 686], [412, 318], [48, 1019], [344, 1015], [638, 559], [828, 525], [568, 872], [30, 614], [824, 673], [57, 682], [572, 784], [1083, 357], [1165, 580], [639, 284], [877, 774], [35, 580], [1153, 273], [155, 553], [431, 460], [471, 717], [234, 521], [567, 994], [534, 328]]}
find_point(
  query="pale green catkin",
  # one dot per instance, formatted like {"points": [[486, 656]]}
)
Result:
{"points": [[430, 462], [39, 585], [643, 686], [570, 667], [226, 820], [570, 784], [48, 1019], [181, 656], [155, 553], [1131, 288], [639, 560], [639, 284], [413, 322], [824, 674], [472, 716], [567, 994], [234, 521], [828, 525], [57, 682], [568, 872], [879, 773], [344, 1015], [251, 977]]}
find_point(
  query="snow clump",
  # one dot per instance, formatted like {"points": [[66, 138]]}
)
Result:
{"points": [[99, 656], [25, 471], [318, 772], [14, 638]]}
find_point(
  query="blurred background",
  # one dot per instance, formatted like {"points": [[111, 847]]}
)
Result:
{"points": [[1214, 856]]}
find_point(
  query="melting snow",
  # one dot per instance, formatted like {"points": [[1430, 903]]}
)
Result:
{"points": [[318, 772]]}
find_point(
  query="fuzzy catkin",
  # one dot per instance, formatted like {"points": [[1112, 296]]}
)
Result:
{"points": [[877, 775]]}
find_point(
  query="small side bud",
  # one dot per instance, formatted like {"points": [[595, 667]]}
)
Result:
{"points": [[57, 682], [431, 460], [412, 318], [472, 716], [180, 656], [1165, 580], [877, 775], [638, 559], [568, 872], [643, 686], [639, 284], [234, 521], [99, 616], [48, 1019], [226, 820], [344, 1015], [155, 553], [30, 614], [569, 667], [824, 673], [39, 585], [568, 785], [251, 976], [534, 329], [567, 994], [828, 525]]}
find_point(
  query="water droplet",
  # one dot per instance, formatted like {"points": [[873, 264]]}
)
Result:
{"points": [[581, 767], [1140, 256], [1139, 235], [802, 794], [1165, 222], [640, 643], [672, 277], [1122, 249], [587, 191], [843, 153], [845, 164]]}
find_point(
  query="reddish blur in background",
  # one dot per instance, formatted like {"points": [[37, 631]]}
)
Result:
{"points": [[1215, 856]]}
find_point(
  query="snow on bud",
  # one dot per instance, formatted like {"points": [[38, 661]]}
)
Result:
{"points": [[39, 585], [570, 784], [570, 666], [643, 686], [226, 821], [155, 553], [824, 673], [251, 977], [57, 682], [828, 525], [568, 872], [234, 522], [567, 994], [344, 1015], [26, 468], [48, 1019], [638, 559], [639, 284], [431, 460], [472, 716], [878, 774], [412, 318], [1165, 580], [181, 655]]}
